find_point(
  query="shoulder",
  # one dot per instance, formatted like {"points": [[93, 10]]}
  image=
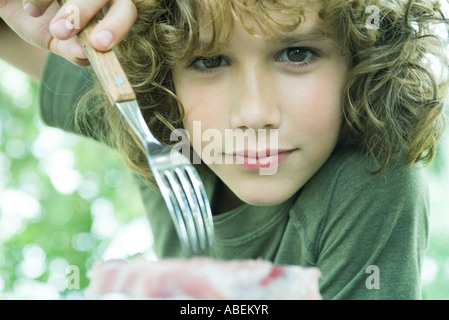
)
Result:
{"points": [[353, 219], [344, 189], [62, 86], [371, 203], [346, 177]]}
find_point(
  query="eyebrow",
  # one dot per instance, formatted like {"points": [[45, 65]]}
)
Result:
{"points": [[288, 39], [311, 35]]}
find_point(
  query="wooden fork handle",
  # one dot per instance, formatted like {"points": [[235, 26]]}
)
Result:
{"points": [[106, 66]]}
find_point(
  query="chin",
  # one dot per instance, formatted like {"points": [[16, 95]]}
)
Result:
{"points": [[265, 196]]}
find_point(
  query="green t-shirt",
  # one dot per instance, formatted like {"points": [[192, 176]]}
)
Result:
{"points": [[367, 234]]}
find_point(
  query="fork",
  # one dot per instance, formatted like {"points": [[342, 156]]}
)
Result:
{"points": [[179, 182], [176, 177]]}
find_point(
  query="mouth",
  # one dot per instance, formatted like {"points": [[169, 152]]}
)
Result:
{"points": [[262, 159]]}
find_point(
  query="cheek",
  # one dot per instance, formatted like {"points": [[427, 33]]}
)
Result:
{"points": [[323, 111], [199, 104], [202, 114], [205, 115], [317, 114]]}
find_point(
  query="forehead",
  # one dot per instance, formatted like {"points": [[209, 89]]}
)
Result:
{"points": [[275, 20]]}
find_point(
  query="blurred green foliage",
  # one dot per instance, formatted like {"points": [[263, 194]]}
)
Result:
{"points": [[63, 198], [436, 268], [66, 201]]}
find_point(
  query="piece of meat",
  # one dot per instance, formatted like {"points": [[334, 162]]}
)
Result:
{"points": [[202, 278]]}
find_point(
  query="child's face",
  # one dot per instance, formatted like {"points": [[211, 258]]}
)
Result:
{"points": [[293, 86]]}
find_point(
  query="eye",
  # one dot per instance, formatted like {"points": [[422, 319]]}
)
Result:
{"points": [[209, 63], [296, 55]]}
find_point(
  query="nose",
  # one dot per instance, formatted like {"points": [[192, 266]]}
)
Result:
{"points": [[254, 100]]}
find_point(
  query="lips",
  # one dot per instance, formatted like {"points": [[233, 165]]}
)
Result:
{"points": [[258, 154], [256, 160]]}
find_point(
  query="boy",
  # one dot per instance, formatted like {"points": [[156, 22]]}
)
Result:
{"points": [[353, 106]]}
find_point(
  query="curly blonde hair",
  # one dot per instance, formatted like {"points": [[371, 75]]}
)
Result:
{"points": [[392, 101]]}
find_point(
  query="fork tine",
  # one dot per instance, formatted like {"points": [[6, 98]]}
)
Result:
{"points": [[175, 212], [203, 202], [184, 207], [194, 205]]}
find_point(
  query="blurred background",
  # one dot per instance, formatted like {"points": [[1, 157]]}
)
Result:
{"points": [[67, 201]]}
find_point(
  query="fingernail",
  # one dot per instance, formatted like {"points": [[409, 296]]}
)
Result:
{"points": [[104, 38], [61, 29], [32, 10]]}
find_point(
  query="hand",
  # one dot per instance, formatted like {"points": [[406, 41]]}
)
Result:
{"points": [[45, 24]]}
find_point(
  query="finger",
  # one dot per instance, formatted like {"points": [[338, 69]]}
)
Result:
{"points": [[69, 49], [33, 30], [73, 16], [115, 25], [76, 53], [36, 8]]}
